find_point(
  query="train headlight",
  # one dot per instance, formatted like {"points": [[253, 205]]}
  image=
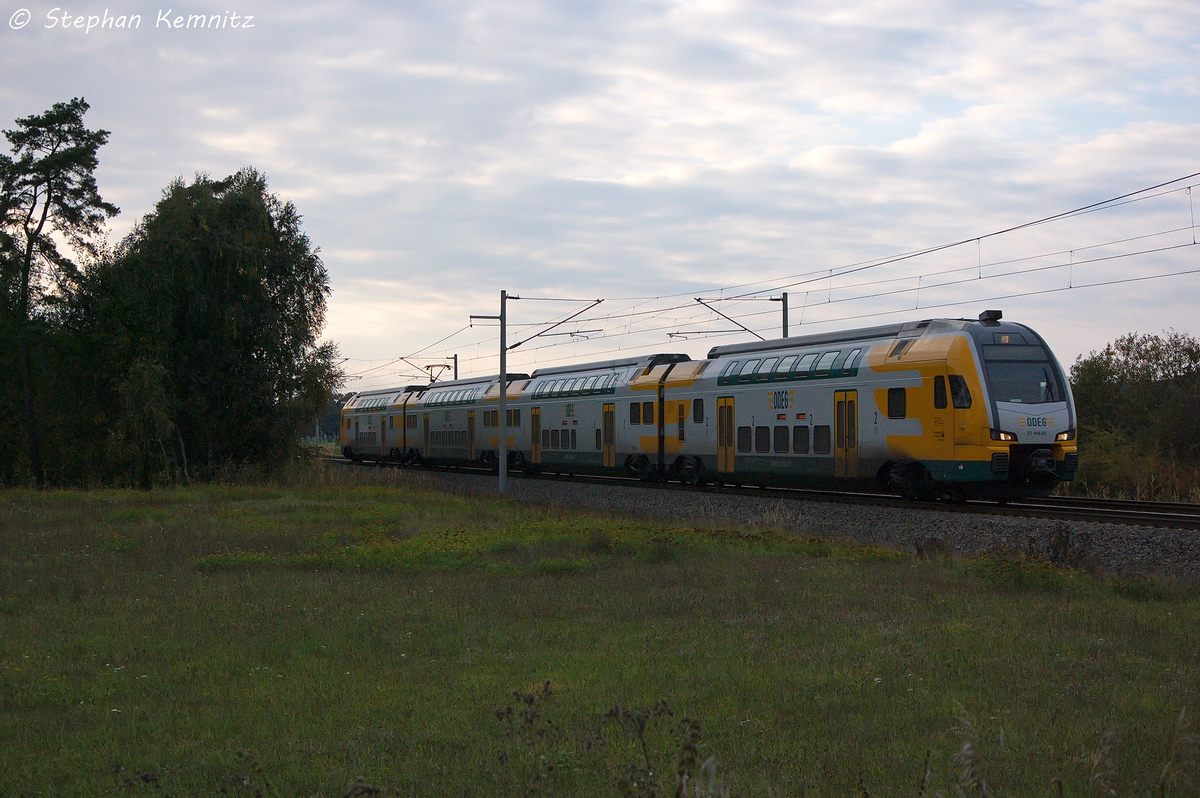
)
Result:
{"points": [[1069, 435], [997, 435]]}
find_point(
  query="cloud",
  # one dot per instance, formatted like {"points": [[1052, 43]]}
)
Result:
{"points": [[442, 151]]}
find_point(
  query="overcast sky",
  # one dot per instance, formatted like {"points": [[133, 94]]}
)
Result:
{"points": [[648, 153]]}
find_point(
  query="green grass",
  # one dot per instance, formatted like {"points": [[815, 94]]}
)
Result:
{"points": [[284, 640]]}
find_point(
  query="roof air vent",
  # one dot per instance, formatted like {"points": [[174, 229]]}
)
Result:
{"points": [[991, 315]]}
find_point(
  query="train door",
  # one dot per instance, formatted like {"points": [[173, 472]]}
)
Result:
{"points": [[609, 435], [535, 434], [470, 434], [845, 434], [725, 434]]}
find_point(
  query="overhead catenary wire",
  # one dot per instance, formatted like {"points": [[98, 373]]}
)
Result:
{"points": [[638, 319]]}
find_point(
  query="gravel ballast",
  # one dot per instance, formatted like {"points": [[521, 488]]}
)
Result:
{"points": [[1115, 548]]}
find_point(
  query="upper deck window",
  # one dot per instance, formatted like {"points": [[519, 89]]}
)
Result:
{"points": [[763, 372], [851, 362], [747, 372], [825, 363], [805, 365]]}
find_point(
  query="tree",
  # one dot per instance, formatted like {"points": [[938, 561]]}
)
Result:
{"points": [[209, 313], [47, 187], [1139, 413]]}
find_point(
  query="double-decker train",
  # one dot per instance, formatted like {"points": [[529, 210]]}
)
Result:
{"points": [[941, 407]]}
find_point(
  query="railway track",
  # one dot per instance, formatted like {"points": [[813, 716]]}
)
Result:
{"points": [[1068, 508]]}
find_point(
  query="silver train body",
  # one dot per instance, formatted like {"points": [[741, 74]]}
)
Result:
{"points": [[936, 407]]}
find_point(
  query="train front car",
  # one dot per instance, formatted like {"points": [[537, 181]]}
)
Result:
{"points": [[934, 408], [1032, 429], [976, 409]]}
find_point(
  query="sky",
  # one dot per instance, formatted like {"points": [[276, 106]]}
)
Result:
{"points": [[652, 154]]}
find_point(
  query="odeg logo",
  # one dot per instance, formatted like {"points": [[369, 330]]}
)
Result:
{"points": [[19, 19]]}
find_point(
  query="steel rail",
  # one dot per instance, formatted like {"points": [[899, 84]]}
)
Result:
{"points": [[1172, 515]]}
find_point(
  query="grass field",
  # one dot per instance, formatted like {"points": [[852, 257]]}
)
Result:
{"points": [[287, 640]]}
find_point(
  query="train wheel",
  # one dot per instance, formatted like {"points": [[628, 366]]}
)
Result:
{"points": [[916, 484], [692, 471], [640, 467]]}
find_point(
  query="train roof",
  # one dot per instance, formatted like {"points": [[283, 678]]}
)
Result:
{"points": [[646, 361], [989, 319], [512, 377]]}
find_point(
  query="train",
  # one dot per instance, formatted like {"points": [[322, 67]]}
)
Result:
{"points": [[931, 409]]}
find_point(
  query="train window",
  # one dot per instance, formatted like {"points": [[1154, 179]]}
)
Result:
{"points": [[851, 362], [574, 438], [635, 413], [805, 365], [821, 439], [939, 392], [681, 418], [762, 439], [800, 440], [825, 363], [781, 439], [743, 439], [763, 372], [747, 371], [698, 411], [512, 416], [554, 439], [590, 384], [785, 365], [599, 440], [545, 439], [900, 346], [959, 392], [836, 368], [727, 373], [1008, 338], [897, 403], [647, 412]]}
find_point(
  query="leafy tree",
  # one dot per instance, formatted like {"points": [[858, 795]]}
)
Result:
{"points": [[47, 188], [1139, 413], [208, 315]]}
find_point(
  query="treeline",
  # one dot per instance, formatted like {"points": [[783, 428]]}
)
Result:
{"points": [[1139, 418], [189, 350]]}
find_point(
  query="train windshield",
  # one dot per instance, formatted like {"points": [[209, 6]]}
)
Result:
{"points": [[1022, 374]]}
